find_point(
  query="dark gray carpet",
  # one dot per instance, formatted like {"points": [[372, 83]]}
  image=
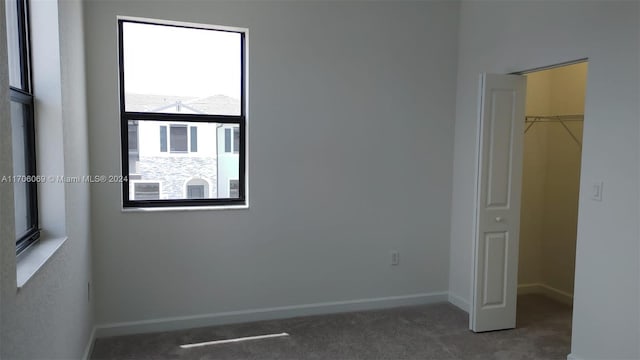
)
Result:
{"points": [[438, 331]]}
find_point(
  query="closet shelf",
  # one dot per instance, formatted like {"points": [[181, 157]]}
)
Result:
{"points": [[561, 119]]}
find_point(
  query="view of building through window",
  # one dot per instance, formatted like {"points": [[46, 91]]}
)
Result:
{"points": [[175, 155], [186, 152]]}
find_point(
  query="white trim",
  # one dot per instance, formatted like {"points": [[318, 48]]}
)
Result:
{"points": [[459, 302], [184, 23], [184, 208], [524, 289], [556, 294], [202, 320], [559, 295], [476, 204], [29, 262], [573, 357], [89, 348]]}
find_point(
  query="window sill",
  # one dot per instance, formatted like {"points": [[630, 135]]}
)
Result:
{"points": [[186, 208], [29, 262]]}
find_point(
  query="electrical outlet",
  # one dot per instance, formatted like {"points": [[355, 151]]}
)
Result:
{"points": [[395, 258]]}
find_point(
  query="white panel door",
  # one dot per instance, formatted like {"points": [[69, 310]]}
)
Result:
{"points": [[499, 183]]}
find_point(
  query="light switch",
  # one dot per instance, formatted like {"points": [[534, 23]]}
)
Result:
{"points": [[596, 191]]}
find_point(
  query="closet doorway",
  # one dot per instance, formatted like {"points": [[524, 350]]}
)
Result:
{"points": [[550, 191]]}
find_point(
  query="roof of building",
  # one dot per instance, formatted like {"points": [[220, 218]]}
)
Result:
{"points": [[216, 104]]}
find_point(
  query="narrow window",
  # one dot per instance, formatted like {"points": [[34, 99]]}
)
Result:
{"points": [[194, 139], [134, 154], [227, 140], [133, 137], [236, 140], [234, 189], [22, 124], [163, 139]]}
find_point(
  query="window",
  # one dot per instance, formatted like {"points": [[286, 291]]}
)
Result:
{"points": [[163, 138], [197, 188], [194, 139], [234, 189], [22, 124], [195, 191], [178, 138], [227, 140], [232, 142], [134, 154], [180, 102], [236, 140], [146, 190], [133, 137]]}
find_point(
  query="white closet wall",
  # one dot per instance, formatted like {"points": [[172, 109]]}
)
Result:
{"points": [[551, 180]]}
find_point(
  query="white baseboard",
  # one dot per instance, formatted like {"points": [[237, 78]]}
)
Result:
{"points": [[89, 347], [282, 312], [573, 357], [558, 295], [459, 302], [529, 289]]}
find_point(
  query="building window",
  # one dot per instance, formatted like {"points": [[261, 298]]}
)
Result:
{"points": [[178, 138], [22, 124], [163, 138], [234, 189], [134, 154], [236, 140], [197, 188], [133, 137], [195, 191], [232, 142], [146, 190], [194, 139], [190, 96], [227, 140]]}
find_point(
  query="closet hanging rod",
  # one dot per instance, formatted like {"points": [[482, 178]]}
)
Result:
{"points": [[531, 120], [550, 118]]}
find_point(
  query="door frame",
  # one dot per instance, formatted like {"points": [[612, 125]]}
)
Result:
{"points": [[476, 191]]}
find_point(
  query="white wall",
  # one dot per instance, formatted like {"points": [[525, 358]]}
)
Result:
{"points": [[51, 316], [351, 133], [503, 37]]}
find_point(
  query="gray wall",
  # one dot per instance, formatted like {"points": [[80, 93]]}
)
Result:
{"points": [[503, 37], [51, 317], [350, 136]]}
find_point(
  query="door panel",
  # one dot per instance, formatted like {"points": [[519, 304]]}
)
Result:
{"points": [[499, 167], [495, 245], [499, 182]]}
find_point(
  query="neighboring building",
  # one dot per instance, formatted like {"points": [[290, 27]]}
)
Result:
{"points": [[182, 160], [228, 148]]}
